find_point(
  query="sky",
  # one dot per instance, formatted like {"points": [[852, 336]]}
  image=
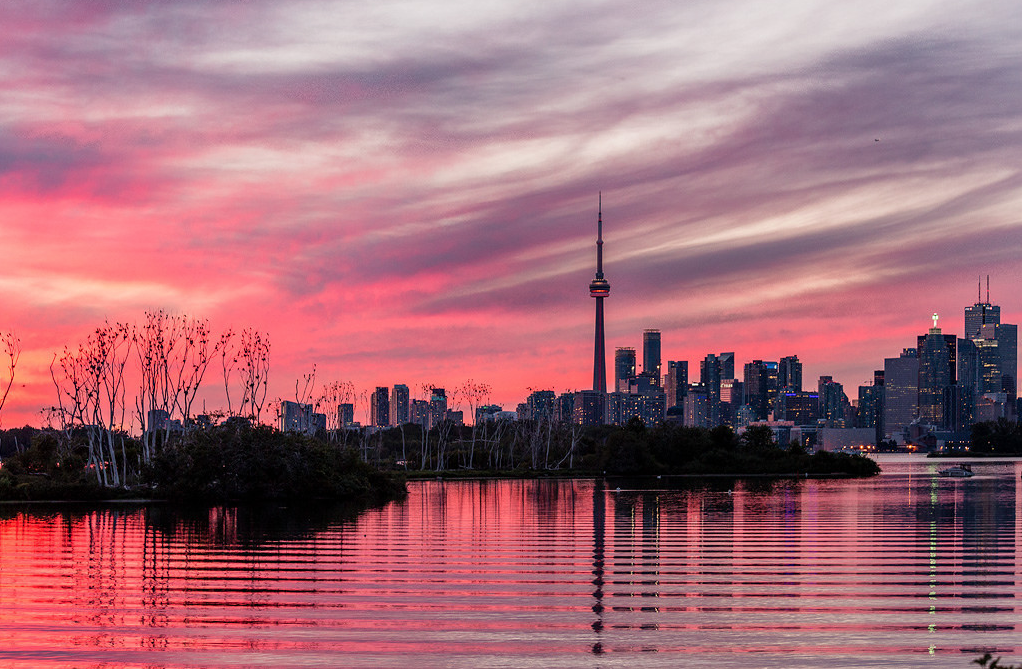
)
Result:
{"points": [[407, 192]]}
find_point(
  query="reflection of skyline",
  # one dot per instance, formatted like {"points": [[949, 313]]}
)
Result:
{"points": [[799, 572]]}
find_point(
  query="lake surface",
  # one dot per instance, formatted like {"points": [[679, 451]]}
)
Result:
{"points": [[904, 570]]}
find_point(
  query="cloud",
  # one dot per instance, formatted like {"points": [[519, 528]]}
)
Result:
{"points": [[401, 189]]}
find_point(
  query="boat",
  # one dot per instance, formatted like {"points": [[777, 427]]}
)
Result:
{"points": [[957, 472]]}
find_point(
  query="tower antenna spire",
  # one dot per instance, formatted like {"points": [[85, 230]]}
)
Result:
{"points": [[988, 289], [979, 289]]}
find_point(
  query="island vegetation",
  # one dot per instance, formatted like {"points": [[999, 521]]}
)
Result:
{"points": [[240, 461]]}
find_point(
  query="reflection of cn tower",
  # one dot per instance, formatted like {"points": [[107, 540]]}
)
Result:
{"points": [[599, 288]]}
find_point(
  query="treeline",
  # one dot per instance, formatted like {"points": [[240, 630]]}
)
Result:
{"points": [[1001, 437], [241, 461], [552, 447], [235, 461]]}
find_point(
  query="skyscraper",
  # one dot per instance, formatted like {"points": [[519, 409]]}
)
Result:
{"points": [[980, 314], [901, 392], [676, 382], [709, 378], [789, 374], [599, 289], [624, 368], [938, 370], [760, 387], [379, 407], [399, 396], [651, 355]]}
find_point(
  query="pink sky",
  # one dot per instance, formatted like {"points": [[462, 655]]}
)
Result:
{"points": [[407, 192]]}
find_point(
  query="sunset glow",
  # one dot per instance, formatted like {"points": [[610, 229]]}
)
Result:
{"points": [[407, 192]]}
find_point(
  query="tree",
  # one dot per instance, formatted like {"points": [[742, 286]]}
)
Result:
{"points": [[246, 362], [90, 396], [12, 351], [475, 395]]}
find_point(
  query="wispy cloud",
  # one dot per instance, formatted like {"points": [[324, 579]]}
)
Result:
{"points": [[398, 190]]}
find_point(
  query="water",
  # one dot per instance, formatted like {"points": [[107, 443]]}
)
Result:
{"points": [[904, 570]]}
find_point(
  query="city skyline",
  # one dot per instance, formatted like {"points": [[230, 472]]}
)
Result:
{"points": [[399, 196]]}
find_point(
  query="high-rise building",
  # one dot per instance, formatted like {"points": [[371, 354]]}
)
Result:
{"points": [[295, 417], [870, 412], [651, 355], [345, 414], [901, 393], [379, 407], [399, 398], [589, 407], [565, 407], [789, 374], [599, 289], [697, 412], [676, 382], [709, 379], [832, 399], [541, 405], [419, 413], [800, 407], [980, 314], [938, 370], [727, 365], [437, 405], [760, 387], [624, 368], [1006, 336]]}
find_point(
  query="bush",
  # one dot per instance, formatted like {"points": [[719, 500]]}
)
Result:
{"points": [[246, 463]]}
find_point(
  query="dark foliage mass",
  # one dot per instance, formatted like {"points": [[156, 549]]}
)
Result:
{"points": [[246, 463], [237, 461], [232, 462], [1001, 437], [45, 466], [682, 450]]}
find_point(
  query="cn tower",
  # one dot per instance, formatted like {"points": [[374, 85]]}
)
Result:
{"points": [[599, 288]]}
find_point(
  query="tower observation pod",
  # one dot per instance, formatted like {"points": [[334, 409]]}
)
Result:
{"points": [[599, 288]]}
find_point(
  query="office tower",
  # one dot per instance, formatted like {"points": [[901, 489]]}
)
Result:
{"points": [[676, 382], [540, 405], [419, 413], [901, 393], [696, 407], [727, 365], [599, 289], [645, 400], [1006, 336], [379, 407], [789, 374], [709, 379], [730, 399], [801, 407], [345, 415], [938, 370], [565, 407], [870, 412], [295, 417], [760, 387], [832, 399], [624, 368], [399, 397], [589, 407], [437, 406], [651, 355], [980, 314]]}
